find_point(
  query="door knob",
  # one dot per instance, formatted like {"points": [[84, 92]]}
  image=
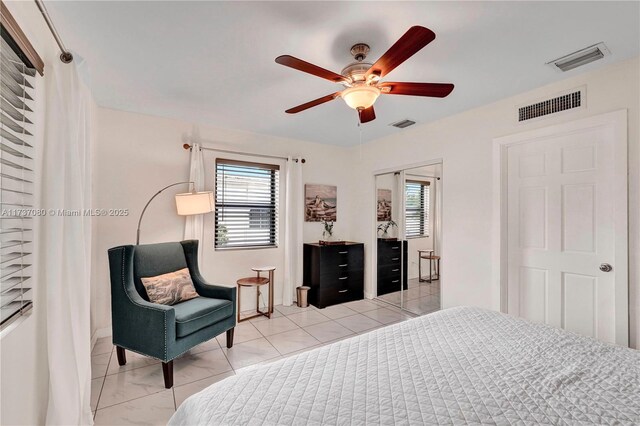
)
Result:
{"points": [[605, 267]]}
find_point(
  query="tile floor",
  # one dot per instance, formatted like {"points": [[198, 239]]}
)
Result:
{"points": [[420, 298], [135, 393]]}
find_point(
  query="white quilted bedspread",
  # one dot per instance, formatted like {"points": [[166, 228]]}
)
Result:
{"points": [[457, 366]]}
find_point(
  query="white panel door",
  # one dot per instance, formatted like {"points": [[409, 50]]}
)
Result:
{"points": [[560, 228]]}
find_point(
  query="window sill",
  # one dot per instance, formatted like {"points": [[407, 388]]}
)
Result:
{"points": [[13, 325], [244, 248]]}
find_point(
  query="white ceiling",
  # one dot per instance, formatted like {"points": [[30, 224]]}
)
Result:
{"points": [[213, 62]]}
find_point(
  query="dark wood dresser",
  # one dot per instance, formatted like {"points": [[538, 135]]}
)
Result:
{"points": [[334, 273], [389, 265]]}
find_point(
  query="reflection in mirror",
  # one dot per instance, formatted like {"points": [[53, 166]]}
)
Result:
{"points": [[408, 225], [422, 185], [391, 249]]}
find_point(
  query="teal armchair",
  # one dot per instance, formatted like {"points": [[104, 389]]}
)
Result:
{"points": [[161, 331]]}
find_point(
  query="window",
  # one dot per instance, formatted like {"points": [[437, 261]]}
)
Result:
{"points": [[416, 209], [16, 182], [246, 204]]}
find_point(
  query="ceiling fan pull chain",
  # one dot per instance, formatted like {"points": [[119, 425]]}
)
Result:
{"points": [[360, 142]]}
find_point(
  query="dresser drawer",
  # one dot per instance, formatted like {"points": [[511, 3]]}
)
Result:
{"points": [[389, 260], [389, 250], [389, 271], [348, 291], [342, 280], [342, 258], [389, 282]]}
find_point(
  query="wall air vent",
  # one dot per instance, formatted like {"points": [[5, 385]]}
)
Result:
{"points": [[403, 123], [581, 57], [574, 99]]}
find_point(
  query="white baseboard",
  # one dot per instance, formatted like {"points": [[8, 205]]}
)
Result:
{"points": [[101, 332]]}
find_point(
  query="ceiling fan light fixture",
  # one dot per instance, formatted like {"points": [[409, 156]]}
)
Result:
{"points": [[362, 79], [360, 97]]}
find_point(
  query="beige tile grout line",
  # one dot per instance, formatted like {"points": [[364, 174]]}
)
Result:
{"points": [[104, 379], [173, 392], [133, 399]]}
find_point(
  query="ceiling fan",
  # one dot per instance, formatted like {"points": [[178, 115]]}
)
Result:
{"points": [[362, 79]]}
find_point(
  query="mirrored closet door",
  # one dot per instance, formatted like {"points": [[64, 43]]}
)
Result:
{"points": [[391, 247], [408, 245]]}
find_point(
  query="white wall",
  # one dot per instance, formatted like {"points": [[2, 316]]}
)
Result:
{"points": [[139, 154], [24, 370], [464, 143]]}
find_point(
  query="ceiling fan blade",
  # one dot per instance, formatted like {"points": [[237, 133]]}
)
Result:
{"points": [[300, 65], [409, 44], [434, 90], [313, 103], [367, 115]]}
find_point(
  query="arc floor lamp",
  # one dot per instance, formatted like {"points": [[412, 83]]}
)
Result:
{"points": [[188, 203]]}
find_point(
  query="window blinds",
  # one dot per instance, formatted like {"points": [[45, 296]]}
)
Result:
{"points": [[246, 214], [16, 184], [416, 209]]}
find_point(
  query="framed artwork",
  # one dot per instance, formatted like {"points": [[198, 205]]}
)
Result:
{"points": [[320, 203], [384, 205]]}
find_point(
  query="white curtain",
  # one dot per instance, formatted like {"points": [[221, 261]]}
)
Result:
{"points": [[64, 244], [194, 224], [294, 204]]}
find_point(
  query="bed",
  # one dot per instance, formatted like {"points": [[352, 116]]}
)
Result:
{"points": [[457, 366]]}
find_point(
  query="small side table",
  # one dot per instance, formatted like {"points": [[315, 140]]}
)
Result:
{"points": [[428, 254], [256, 282]]}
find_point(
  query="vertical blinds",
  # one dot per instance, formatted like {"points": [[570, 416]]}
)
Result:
{"points": [[416, 209], [246, 213], [16, 184]]}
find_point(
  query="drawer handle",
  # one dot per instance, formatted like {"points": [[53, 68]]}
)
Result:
{"points": [[395, 258], [343, 252], [395, 281], [395, 248], [343, 291], [395, 270], [343, 278], [343, 265]]}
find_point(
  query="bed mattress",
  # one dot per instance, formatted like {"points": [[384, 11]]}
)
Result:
{"points": [[457, 366]]}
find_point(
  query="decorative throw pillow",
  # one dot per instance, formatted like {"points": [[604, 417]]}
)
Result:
{"points": [[171, 288]]}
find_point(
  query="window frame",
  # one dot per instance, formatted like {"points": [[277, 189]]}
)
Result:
{"points": [[274, 205], [19, 264], [424, 218]]}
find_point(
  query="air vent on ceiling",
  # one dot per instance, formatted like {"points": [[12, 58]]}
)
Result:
{"points": [[403, 123], [574, 99], [581, 57]]}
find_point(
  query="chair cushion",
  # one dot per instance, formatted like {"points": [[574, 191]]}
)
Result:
{"points": [[150, 260], [201, 312]]}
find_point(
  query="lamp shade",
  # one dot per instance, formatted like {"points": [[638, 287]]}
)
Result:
{"points": [[360, 97], [194, 203]]}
